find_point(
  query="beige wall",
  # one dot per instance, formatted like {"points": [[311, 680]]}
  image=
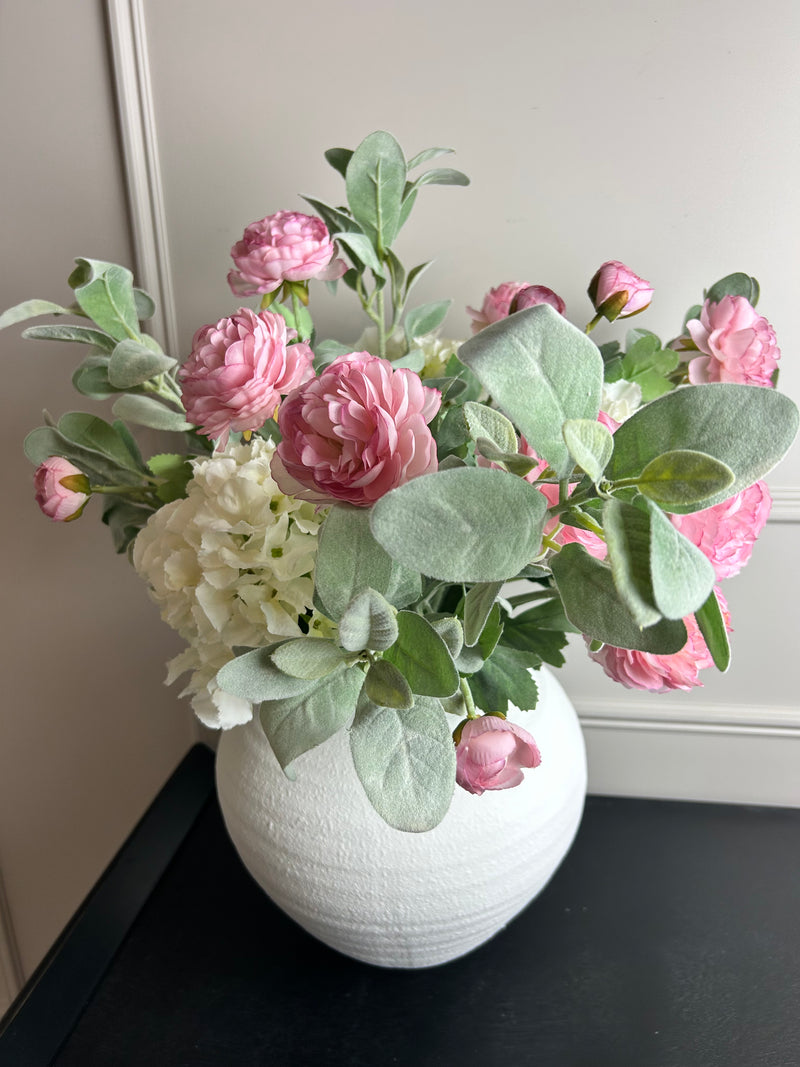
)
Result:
{"points": [[87, 731]]}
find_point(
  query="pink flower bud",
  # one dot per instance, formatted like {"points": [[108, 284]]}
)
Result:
{"points": [[238, 370], [537, 294], [737, 343], [61, 489], [496, 304], [617, 292], [491, 753], [646, 670], [355, 432], [287, 246], [726, 532]]}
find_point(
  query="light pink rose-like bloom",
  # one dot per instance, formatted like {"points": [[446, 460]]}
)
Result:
{"points": [[496, 304], [537, 294], [737, 343], [726, 532], [59, 501], [491, 754], [238, 370], [286, 246], [646, 670], [356, 431], [613, 278]]}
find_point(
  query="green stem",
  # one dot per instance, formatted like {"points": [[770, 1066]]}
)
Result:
{"points": [[466, 692], [381, 323], [591, 325]]}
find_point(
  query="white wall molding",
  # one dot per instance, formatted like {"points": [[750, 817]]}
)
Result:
{"points": [[136, 112], [785, 503], [663, 714]]}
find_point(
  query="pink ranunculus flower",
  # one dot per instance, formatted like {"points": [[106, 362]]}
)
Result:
{"points": [[284, 247], [238, 370], [356, 431], [614, 278], [491, 754], [61, 489], [737, 343], [496, 304], [726, 532], [537, 294], [646, 670]]}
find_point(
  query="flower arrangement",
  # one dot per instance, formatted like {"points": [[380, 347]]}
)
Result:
{"points": [[334, 532]]}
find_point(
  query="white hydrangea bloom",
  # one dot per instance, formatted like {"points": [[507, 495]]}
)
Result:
{"points": [[231, 564], [620, 399]]}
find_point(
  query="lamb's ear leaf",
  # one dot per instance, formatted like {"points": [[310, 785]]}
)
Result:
{"points": [[406, 761]]}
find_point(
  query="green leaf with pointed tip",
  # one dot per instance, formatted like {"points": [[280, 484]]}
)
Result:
{"points": [[105, 292], [308, 657], [472, 659], [422, 657], [369, 622], [144, 303], [747, 427], [375, 180], [478, 602], [590, 444], [451, 632], [339, 158], [684, 478], [349, 560], [682, 576], [176, 472], [133, 363], [413, 360], [335, 218], [46, 441], [710, 619], [146, 411], [488, 423], [254, 676], [415, 273], [83, 335], [438, 176], [540, 371], [627, 531], [505, 678], [593, 605], [514, 462], [406, 762], [295, 724], [90, 431], [363, 251], [30, 309], [425, 318], [385, 685], [737, 284], [426, 154]]}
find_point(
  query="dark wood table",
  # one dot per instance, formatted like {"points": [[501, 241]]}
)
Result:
{"points": [[669, 936]]}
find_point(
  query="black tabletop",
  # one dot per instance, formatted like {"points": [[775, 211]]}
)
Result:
{"points": [[669, 936]]}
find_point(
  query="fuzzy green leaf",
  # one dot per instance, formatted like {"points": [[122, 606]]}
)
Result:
{"points": [[590, 444], [684, 478], [710, 619], [627, 531], [682, 576], [295, 724], [385, 685], [478, 602], [307, 657], [254, 676], [83, 335], [746, 427], [30, 309], [594, 607], [488, 423], [369, 622], [425, 318], [350, 560], [133, 363], [406, 762], [540, 371], [375, 180], [470, 524], [147, 411], [421, 655], [104, 291]]}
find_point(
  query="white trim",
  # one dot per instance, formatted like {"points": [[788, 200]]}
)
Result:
{"points": [[713, 718], [142, 171], [785, 503]]}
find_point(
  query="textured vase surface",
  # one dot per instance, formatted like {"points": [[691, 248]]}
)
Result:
{"points": [[323, 855]]}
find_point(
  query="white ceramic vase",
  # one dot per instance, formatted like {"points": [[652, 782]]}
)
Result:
{"points": [[323, 855]]}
